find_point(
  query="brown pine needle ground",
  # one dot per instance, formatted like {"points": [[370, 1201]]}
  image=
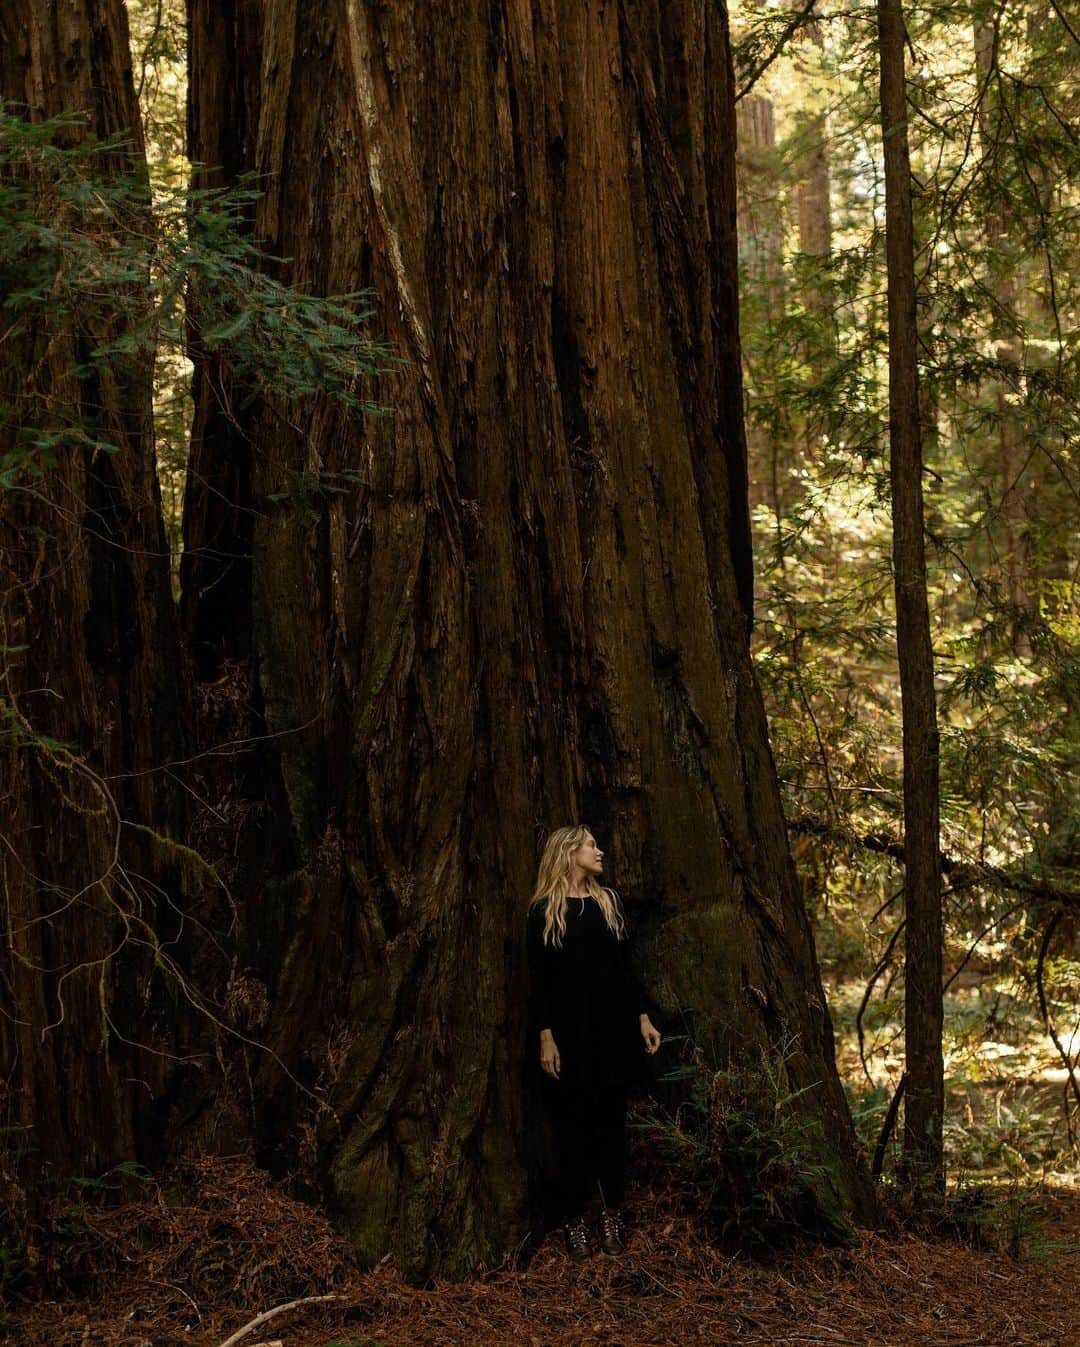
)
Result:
{"points": [[168, 1272]]}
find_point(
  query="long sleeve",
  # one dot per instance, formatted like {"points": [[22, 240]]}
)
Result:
{"points": [[632, 990], [539, 990]]}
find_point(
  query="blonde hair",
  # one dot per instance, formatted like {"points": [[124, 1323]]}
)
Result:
{"points": [[553, 885]]}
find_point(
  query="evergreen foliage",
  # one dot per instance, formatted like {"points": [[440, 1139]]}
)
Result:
{"points": [[90, 254]]}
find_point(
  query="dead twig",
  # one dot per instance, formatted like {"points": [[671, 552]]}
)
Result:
{"points": [[272, 1314]]}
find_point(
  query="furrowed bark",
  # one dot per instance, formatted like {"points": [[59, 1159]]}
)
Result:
{"points": [[537, 606], [89, 677]]}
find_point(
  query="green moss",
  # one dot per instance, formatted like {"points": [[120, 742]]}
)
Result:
{"points": [[685, 967], [194, 871]]}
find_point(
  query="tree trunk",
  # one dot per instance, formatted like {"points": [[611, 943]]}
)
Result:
{"points": [[813, 194], [760, 220], [215, 566], [760, 231], [1013, 456], [924, 1103], [88, 696], [536, 607]]}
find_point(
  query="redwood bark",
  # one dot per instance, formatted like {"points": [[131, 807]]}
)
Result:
{"points": [[215, 565], [89, 659], [924, 1102], [535, 609]]}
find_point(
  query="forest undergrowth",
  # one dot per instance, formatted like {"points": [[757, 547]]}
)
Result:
{"points": [[198, 1255]]}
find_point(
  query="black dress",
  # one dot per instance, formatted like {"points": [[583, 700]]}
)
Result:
{"points": [[586, 993]]}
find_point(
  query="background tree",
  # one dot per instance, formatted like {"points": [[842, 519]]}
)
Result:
{"points": [[117, 937], [924, 1104], [89, 698]]}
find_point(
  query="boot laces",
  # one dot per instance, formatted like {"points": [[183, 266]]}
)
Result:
{"points": [[578, 1234]]}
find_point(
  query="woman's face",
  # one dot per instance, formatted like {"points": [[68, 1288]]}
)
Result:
{"points": [[589, 856]]}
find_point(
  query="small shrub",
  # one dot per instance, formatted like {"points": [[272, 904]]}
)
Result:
{"points": [[744, 1142], [980, 1215]]}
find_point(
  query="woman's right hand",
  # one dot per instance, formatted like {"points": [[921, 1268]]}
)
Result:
{"points": [[549, 1054]]}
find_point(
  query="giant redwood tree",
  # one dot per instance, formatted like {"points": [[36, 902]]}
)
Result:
{"points": [[521, 596]]}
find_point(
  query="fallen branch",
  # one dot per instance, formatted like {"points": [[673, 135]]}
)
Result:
{"points": [[272, 1314]]}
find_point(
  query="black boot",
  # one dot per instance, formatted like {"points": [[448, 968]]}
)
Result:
{"points": [[611, 1231], [577, 1239]]}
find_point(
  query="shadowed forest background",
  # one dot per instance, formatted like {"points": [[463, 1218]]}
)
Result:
{"points": [[421, 429]]}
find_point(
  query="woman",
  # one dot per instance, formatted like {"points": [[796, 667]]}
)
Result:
{"points": [[590, 1024]]}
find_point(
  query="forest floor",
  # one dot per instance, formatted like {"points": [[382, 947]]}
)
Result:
{"points": [[165, 1272]]}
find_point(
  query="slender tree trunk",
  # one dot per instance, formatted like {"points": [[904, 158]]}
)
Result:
{"points": [[815, 217], [89, 692], [813, 203], [761, 243], [1014, 472], [536, 608], [924, 1103], [813, 194], [760, 222]]}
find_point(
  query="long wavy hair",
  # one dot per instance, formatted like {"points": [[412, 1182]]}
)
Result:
{"points": [[553, 885]]}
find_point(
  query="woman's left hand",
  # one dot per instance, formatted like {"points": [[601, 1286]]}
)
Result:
{"points": [[650, 1034]]}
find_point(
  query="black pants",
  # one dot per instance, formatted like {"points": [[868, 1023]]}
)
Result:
{"points": [[590, 1151]]}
